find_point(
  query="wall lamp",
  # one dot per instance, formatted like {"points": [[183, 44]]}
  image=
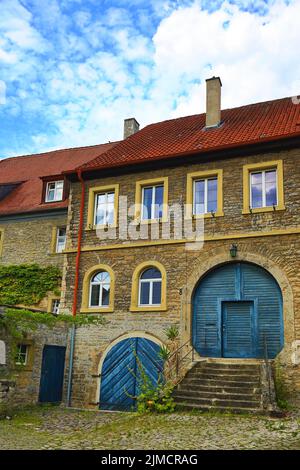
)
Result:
{"points": [[233, 250]]}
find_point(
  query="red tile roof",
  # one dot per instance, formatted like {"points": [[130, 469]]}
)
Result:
{"points": [[240, 126], [30, 168]]}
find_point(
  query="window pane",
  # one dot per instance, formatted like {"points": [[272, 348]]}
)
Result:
{"points": [[100, 215], [147, 203], [256, 190], [145, 292], [100, 199], [103, 276], [212, 189], [110, 213], [151, 273], [199, 207], [156, 293], [271, 194], [110, 197], [95, 295], [105, 295], [159, 199], [271, 176]]}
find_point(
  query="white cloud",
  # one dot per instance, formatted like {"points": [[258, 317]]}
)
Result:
{"points": [[93, 80]]}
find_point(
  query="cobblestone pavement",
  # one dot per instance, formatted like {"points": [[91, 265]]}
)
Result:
{"points": [[58, 428]]}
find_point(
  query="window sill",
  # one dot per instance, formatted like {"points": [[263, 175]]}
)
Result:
{"points": [[100, 227], [207, 215], [97, 310], [259, 210], [151, 221], [157, 308]]}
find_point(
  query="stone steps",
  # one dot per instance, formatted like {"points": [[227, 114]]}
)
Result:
{"points": [[219, 385]]}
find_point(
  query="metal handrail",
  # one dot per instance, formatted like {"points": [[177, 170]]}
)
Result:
{"points": [[179, 362]]}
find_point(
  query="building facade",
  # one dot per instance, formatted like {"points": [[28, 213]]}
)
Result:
{"points": [[233, 291]]}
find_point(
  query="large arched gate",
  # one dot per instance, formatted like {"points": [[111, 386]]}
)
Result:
{"points": [[121, 374], [237, 313]]}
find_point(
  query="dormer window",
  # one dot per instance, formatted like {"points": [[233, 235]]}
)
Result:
{"points": [[54, 191]]}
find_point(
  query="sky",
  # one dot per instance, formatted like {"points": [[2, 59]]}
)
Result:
{"points": [[71, 71]]}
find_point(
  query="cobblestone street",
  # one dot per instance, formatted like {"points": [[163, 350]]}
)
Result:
{"points": [[58, 428]]}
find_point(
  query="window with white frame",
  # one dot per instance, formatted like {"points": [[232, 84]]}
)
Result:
{"points": [[22, 354], [263, 188], [55, 306], [54, 191], [205, 195], [152, 202], [100, 289], [104, 208], [150, 284], [61, 239]]}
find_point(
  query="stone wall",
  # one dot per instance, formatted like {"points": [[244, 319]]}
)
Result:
{"points": [[278, 253], [30, 241]]}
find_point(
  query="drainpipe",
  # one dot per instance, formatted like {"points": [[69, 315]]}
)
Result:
{"points": [[72, 344], [79, 174]]}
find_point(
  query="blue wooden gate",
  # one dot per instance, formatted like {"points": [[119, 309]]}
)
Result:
{"points": [[237, 308], [121, 372], [52, 374]]}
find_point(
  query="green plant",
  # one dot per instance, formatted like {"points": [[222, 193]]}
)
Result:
{"points": [[164, 353], [27, 284], [280, 388], [153, 398], [172, 332]]}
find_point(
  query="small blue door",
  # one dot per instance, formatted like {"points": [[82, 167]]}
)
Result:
{"points": [[238, 329], [123, 367], [52, 374]]}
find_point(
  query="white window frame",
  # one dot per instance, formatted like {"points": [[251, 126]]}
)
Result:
{"points": [[105, 193], [56, 198], [150, 281], [26, 355], [263, 180], [153, 205], [59, 249], [196, 180], [54, 307], [102, 284]]}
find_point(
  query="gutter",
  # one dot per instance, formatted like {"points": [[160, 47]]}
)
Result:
{"points": [[80, 230]]}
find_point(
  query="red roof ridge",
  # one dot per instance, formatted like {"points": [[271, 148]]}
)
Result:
{"points": [[58, 150]]}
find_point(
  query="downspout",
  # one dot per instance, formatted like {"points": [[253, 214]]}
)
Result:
{"points": [[75, 296]]}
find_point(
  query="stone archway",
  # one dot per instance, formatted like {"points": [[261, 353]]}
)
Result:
{"points": [[201, 269]]}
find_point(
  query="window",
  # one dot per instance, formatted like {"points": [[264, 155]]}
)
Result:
{"points": [[99, 291], [104, 208], [150, 287], [54, 191], [204, 197], [263, 192], [22, 354], [263, 187], [60, 239], [151, 200], [55, 306]]}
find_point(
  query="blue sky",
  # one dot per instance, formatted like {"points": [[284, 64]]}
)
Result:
{"points": [[72, 70]]}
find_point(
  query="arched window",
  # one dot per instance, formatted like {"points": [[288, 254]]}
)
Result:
{"points": [[100, 289], [150, 287]]}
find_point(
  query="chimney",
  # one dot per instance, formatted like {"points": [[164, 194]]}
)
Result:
{"points": [[131, 126], [213, 102]]}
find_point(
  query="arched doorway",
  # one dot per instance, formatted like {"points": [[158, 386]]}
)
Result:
{"points": [[237, 311], [121, 374]]}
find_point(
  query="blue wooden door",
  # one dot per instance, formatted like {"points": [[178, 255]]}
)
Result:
{"points": [[238, 282], [52, 374], [122, 370], [238, 329]]}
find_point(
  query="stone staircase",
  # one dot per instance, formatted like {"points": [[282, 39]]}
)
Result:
{"points": [[222, 384]]}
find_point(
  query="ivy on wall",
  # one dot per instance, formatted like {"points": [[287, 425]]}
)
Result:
{"points": [[27, 284]]}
